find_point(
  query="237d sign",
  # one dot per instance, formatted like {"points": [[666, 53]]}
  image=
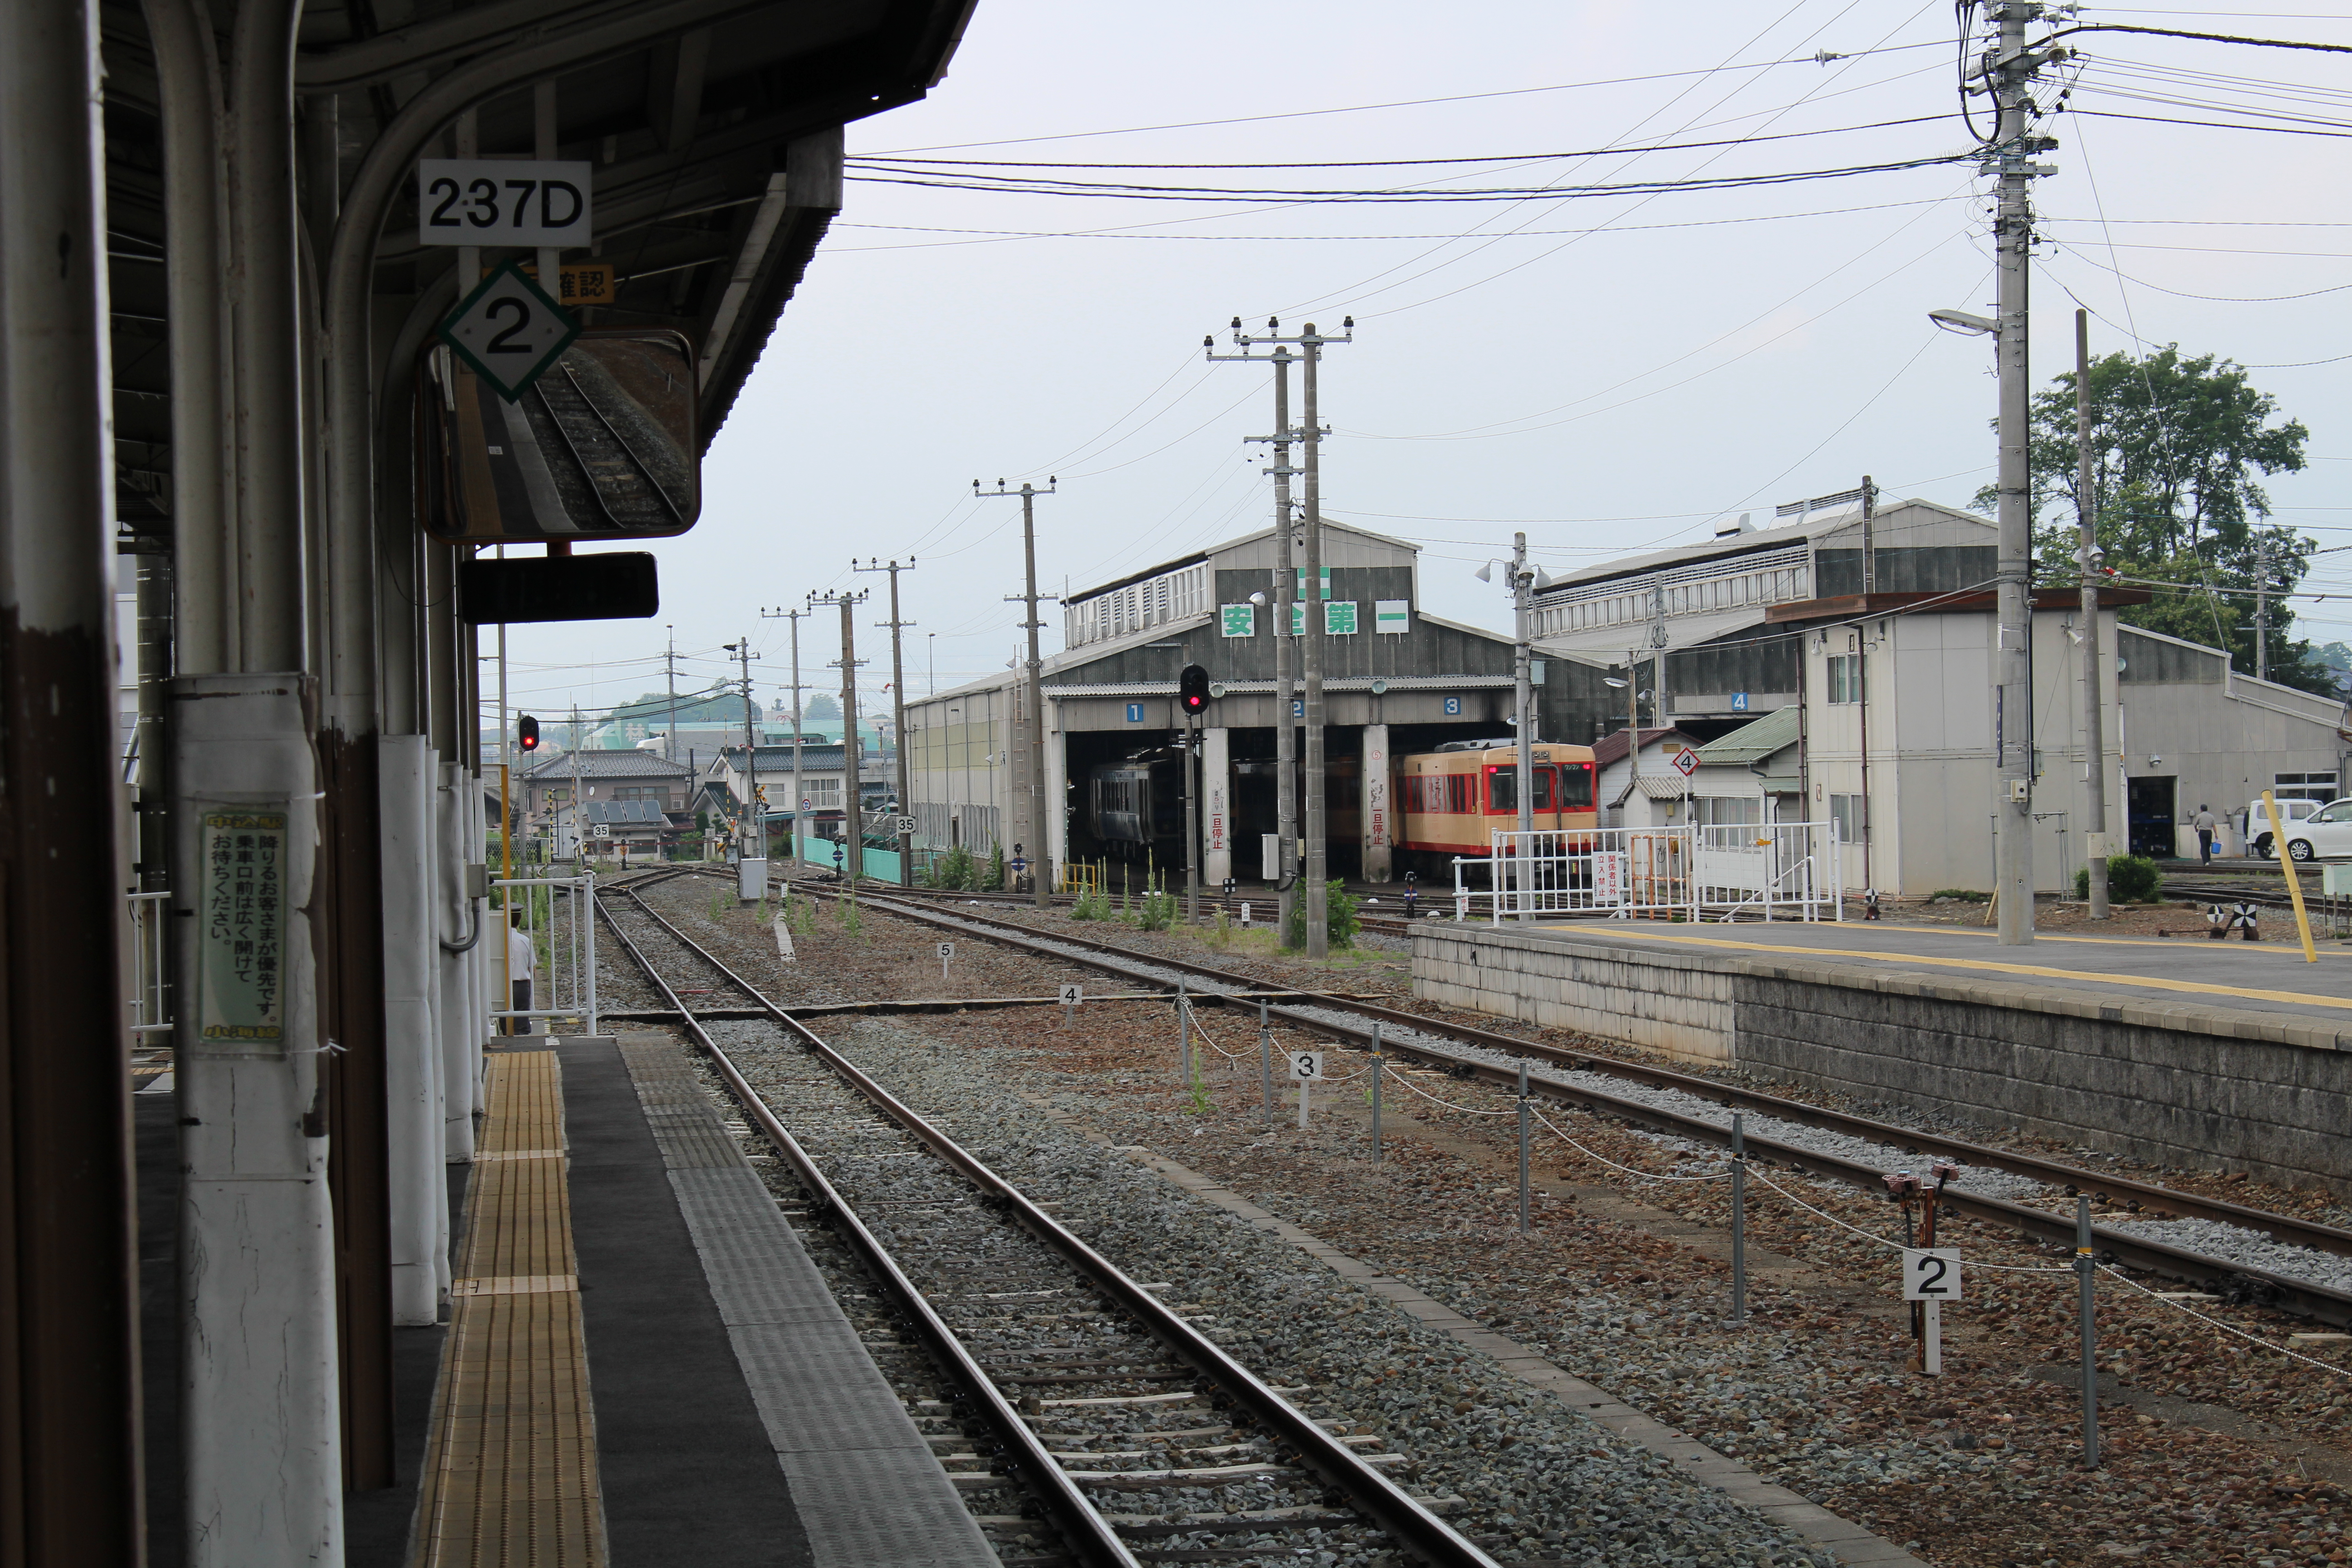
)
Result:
{"points": [[503, 201]]}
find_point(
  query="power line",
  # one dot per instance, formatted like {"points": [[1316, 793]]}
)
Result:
{"points": [[1014, 186], [880, 160], [1819, 57]]}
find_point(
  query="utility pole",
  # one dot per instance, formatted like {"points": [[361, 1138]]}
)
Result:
{"points": [[758, 814], [1523, 583], [800, 826], [1285, 730], [852, 801], [669, 668], [898, 704], [2011, 69], [578, 807], [1038, 843], [1869, 544], [2095, 768], [1310, 435], [2262, 606]]}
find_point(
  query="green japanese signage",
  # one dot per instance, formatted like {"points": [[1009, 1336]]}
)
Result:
{"points": [[1340, 618], [241, 931], [1327, 583], [1238, 620]]}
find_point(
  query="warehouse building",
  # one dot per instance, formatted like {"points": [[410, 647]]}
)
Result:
{"points": [[1396, 680]]}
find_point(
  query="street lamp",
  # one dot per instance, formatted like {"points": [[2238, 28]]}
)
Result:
{"points": [[1964, 322]]}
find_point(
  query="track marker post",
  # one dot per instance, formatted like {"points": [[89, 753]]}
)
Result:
{"points": [[947, 951], [1378, 1061], [2087, 1265], [1524, 1195], [1184, 1029], [1265, 1060], [1738, 1219], [1071, 996]]}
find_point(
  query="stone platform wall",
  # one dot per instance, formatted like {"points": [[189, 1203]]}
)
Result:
{"points": [[2208, 1087]]}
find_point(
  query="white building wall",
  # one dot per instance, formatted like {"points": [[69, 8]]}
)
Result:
{"points": [[1931, 710]]}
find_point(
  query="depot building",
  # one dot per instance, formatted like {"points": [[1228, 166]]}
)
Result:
{"points": [[1396, 680]]}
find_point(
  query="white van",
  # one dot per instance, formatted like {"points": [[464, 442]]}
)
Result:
{"points": [[2258, 821]]}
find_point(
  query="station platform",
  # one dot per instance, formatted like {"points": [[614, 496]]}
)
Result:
{"points": [[641, 1366], [2195, 971], [2210, 1055]]}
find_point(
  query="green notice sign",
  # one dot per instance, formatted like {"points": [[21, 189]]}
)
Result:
{"points": [[1340, 618], [241, 935], [1238, 620]]}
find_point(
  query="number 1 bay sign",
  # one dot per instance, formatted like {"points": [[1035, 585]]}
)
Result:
{"points": [[504, 201], [509, 330]]}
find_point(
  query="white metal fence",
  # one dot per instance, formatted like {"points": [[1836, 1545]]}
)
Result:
{"points": [[1761, 871], [560, 922], [150, 1011]]}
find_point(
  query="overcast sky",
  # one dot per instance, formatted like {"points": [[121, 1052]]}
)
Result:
{"points": [[1609, 372]]}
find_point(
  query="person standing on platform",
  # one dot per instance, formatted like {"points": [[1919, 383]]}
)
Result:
{"points": [[2204, 822]]}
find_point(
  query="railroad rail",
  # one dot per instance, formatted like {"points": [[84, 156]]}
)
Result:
{"points": [[625, 487], [2285, 1292], [1287, 1434]]}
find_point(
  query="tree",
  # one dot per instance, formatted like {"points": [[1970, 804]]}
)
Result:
{"points": [[2177, 447], [823, 705]]}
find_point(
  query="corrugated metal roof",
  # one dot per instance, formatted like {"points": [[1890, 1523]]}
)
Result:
{"points": [[595, 764], [1753, 742]]}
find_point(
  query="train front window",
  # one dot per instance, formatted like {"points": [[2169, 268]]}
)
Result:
{"points": [[1502, 789], [1543, 789], [1576, 786]]}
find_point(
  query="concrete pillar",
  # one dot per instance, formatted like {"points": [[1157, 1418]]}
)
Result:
{"points": [[1057, 790], [1216, 807], [412, 1053], [261, 1409], [69, 1301], [458, 934], [1379, 864]]}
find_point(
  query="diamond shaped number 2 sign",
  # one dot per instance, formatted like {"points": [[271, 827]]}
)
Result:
{"points": [[509, 330]]}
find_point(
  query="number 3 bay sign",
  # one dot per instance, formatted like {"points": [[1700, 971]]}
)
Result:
{"points": [[1931, 1274], [509, 330], [1307, 1066]]}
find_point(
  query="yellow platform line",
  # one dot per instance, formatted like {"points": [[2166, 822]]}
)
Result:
{"points": [[2039, 970], [2246, 949], [511, 1468]]}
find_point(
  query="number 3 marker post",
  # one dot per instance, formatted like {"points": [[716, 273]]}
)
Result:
{"points": [[1306, 1068], [1932, 1275]]}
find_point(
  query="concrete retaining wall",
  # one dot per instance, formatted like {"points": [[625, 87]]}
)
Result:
{"points": [[2206, 1088]]}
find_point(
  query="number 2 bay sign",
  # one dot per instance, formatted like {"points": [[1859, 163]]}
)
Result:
{"points": [[509, 330], [504, 201]]}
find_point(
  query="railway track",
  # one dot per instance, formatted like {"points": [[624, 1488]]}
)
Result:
{"points": [[628, 490], [1471, 1053], [1046, 1343]]}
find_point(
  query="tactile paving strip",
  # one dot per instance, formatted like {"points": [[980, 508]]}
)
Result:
{"points": [[510, 1472], [868, 1490]]}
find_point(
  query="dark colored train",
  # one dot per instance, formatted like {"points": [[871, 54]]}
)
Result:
{"points": [[1137, 807]]}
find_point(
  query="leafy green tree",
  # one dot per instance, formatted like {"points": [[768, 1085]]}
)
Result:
{"points": [[2177, 449], [823, 705]]}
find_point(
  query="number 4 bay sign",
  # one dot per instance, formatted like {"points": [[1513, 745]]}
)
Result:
{"points": [[1931, 1274], [509, 330]]}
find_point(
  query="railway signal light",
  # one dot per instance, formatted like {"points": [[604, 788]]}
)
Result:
{"points": [[526, 734], [1192, 691]]}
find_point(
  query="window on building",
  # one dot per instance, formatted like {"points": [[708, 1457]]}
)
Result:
{"points": [[1845, 677], [2304, 786], [1727, 810], [1849, 819], [640, 792]]}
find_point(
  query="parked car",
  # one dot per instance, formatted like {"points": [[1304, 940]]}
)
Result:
{"points": [[2324, 835], [2258, 821]]}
